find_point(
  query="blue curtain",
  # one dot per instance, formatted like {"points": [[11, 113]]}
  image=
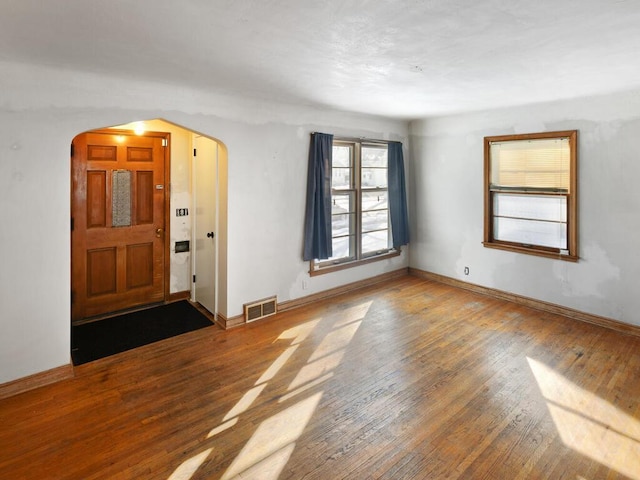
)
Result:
{"points": [[397, 196], [317, 223]]}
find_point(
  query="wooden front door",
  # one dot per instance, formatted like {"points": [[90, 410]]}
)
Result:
{"points": [[118, 221]]}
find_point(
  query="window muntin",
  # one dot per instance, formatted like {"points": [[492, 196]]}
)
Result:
{"points": [[342, 169], [530, 193], [343, 222], [359, 202]]}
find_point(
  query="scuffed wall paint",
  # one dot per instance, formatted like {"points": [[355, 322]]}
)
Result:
{"points": [[447, 201], [42, 109]]}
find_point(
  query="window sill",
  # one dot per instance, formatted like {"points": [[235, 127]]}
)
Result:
{"points": [[355, 263], [532, 251]]}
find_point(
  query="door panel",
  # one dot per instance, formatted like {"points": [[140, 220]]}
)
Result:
{"points": [[101, 271], [205, 181], [96, 199], [139, 265], [118, 212], [143, 209]]}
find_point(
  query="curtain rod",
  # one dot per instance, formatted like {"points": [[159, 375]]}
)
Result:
{"points": [[359, 139]]}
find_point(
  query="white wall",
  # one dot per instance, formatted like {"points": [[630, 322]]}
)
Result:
{"points": [[447, 204], [42, 109]]}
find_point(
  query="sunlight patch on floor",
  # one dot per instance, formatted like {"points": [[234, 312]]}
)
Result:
{"points": [[357, 312], [245, 402], [336, 340], [277, 364], [273, 438], [317, 369], [267, 452], [269, 468], [590, 425], [187, 468], [222, 427], [299, 333], [305, 387]]}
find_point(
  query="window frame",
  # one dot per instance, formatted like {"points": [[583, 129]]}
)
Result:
{"points": [[571, 252], [318, 267]]}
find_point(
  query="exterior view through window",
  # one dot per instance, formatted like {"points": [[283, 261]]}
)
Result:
{"points": [[359, 203]]}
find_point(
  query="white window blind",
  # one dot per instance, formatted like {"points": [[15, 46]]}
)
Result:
{"points": [[539, 165]]}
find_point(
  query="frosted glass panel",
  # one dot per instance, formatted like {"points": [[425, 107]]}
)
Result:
{"points": [[531, 232], [121, 198]]}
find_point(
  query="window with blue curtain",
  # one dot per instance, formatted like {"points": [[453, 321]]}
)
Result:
{"points": [[317, 225], [398, 196], [356, 202]]}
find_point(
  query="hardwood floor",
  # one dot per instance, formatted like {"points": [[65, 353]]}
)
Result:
{"points": [[411, 379]]}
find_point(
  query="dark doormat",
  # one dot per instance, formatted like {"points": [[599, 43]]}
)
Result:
{"points": [[99, 339]]}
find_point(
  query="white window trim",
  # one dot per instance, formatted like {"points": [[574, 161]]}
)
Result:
{"points": [[318, 267]]}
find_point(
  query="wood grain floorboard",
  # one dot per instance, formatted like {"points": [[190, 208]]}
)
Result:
{"points": [[412, 379]]}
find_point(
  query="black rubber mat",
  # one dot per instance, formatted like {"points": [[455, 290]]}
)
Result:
{"points": [[102, 338]]}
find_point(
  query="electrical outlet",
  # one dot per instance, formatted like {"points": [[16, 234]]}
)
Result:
{"points": [[305, 284], [466, 270]]}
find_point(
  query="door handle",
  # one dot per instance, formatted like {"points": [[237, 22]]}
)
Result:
{"points": [[210, 235], [159, 232]]}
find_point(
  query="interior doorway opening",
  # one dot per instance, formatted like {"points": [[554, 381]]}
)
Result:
{"points": [[109, 189]]}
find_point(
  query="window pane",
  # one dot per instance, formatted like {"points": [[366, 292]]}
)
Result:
{"points": [[343, 224], [375, 241], [375, 220], [531, 232], [342, 203], [374, 156], [340, 178], [340, 224], [373, 166], [374, 177], [534, 207], [360, 201], [374, 200], [342, 247], [341, 156]]}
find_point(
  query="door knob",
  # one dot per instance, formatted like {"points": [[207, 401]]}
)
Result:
{"points": [[210, 235], [159, 232]]}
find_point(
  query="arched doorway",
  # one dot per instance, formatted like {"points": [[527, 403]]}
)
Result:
{"points": [[178, 229]]}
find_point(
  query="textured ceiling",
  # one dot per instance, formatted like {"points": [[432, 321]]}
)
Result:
{"points": [[405, 59]]}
